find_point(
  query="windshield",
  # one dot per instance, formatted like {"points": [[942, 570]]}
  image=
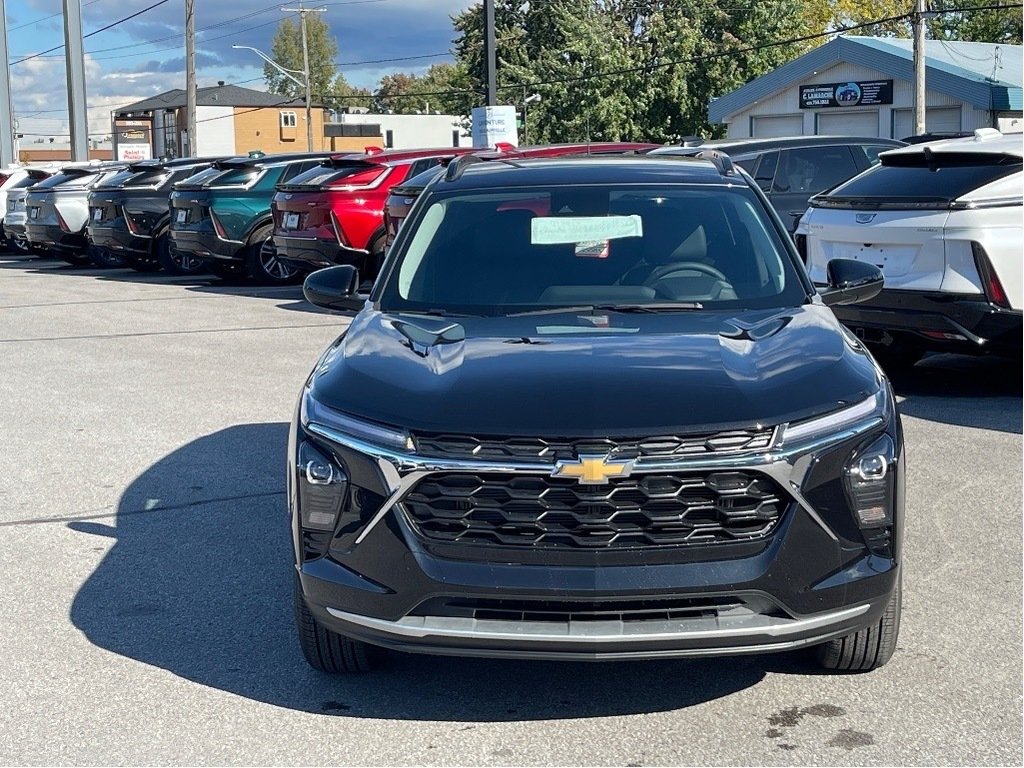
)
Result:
{"points": [[638, 248], [27, 181], [72, 179], [916, 176]]}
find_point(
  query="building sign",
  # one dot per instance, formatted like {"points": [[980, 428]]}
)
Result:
{"points": [[862, 94], [132, 139], [494, 124]]}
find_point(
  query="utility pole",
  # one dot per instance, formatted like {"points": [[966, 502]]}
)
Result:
{"points": [[490, 54], [303, 12], [191, 94], [75, 64], [7, 143], [919, 67]]}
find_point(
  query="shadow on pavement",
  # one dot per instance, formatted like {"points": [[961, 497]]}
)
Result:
{"points": [[979, 392], [198, 583]]}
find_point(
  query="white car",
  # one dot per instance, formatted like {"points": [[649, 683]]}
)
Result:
{"points": [[943, 222], [18, 177]]}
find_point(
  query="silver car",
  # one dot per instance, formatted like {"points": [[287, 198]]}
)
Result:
{"points": [[58, 210]]}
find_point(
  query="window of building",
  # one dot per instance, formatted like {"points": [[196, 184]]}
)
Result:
{"points": [[289, 120]]}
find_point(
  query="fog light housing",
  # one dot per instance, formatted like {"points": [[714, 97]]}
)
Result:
{"points": [[869, 477], [323, 488]]}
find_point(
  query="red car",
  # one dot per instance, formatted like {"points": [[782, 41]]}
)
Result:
{"points": [[402, 196], [334, 213]]}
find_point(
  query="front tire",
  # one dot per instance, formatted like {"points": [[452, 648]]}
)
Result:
{"points": [[262, 263], [870, 648], [327, 651]]}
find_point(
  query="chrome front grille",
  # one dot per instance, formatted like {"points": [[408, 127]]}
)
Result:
{"points": [[644, 510], [669, 446]]}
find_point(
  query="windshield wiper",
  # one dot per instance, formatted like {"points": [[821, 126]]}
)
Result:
{"points": [[666, 306], [434, 313], [673, 306]]}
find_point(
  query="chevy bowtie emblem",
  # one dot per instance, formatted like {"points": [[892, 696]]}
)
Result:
{"points": [[865, 218], [593, 470]]}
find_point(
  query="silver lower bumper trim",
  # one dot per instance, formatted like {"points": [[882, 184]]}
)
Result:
{"points": [[721, 628]]}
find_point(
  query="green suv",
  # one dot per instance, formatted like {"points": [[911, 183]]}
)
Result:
{"points": [[223, 217]]}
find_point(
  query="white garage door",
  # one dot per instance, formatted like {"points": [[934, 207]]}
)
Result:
{"points": [[771, 126], [937, 120], [859, 123]]}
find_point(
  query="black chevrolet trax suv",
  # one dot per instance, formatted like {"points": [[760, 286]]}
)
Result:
{"points": [[595, 409]]}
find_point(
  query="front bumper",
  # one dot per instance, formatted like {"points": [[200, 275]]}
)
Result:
{"points": [[813, 578], [206, 245], [311, 253], [52, 236], [941, 321]]}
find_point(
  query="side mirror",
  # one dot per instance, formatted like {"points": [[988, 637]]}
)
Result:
{"points": [[335, 288], [851, 281]]}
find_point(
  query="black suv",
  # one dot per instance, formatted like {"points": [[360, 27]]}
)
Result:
{"points": [[222, 215], [791, 169], [129, 216], [595, 409]]}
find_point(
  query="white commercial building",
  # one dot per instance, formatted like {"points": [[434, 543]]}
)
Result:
{"points": [[410, 131], [864, 86]]}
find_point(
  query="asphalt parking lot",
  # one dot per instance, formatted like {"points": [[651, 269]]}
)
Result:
{"points": [[145, 615]]}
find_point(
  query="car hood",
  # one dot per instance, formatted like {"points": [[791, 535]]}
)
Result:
{"points": [[593, 374]]}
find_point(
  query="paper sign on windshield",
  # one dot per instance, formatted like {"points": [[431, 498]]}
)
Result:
{"points": [[552, 230]]}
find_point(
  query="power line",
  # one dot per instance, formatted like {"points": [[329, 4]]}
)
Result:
{"points": [[180, 35], [94, 32], [46, 18]]}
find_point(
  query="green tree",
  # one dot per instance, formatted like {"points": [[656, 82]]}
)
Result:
{"points": [[287, 51], [342, 94]]}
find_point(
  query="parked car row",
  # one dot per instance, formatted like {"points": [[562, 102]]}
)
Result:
{"points": [[274, 218]]}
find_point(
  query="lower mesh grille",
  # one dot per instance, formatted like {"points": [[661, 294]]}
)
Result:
{"points": [[560, 611], [544, 512]]}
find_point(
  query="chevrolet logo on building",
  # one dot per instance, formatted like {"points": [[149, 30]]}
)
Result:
{"points": [[593, 470]]}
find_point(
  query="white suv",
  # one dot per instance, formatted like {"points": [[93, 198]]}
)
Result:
{"points": [[943, 223]]}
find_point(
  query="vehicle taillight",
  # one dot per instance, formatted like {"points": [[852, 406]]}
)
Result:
{"points": [[994, 290], [63, 224], [358, 179], [218, 227], [337, 230], [132, 226]]}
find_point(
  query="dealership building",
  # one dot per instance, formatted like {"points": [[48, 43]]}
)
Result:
{"points": [[864, 86]]}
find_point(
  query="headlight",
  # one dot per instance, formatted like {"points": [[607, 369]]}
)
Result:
{"points": [[873, 407], [868, 477], [340, 427], [323, 488]]}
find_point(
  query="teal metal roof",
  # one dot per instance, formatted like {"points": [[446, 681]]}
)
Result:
{"points": [[985, 75]]}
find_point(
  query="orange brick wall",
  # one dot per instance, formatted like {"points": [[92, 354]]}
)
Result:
{"points": [[261, 129]]}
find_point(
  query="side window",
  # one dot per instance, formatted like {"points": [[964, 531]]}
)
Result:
{"points": [[294, 169], [872, 150], [289, 120], [813, 169], [766, 170], [748, 164], [423, 165]]}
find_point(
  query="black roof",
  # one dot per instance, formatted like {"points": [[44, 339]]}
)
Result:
{"points": [[746, 146], [584, 170], [214, 96]]}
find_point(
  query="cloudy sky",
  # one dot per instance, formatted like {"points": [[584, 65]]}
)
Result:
{"points": [[146, 55]]}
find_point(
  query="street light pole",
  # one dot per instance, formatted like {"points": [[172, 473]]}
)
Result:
{"points": [[290, 74], [305, 68]]}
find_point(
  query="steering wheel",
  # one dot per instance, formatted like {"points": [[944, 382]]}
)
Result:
{"points": [[666, 271]]}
